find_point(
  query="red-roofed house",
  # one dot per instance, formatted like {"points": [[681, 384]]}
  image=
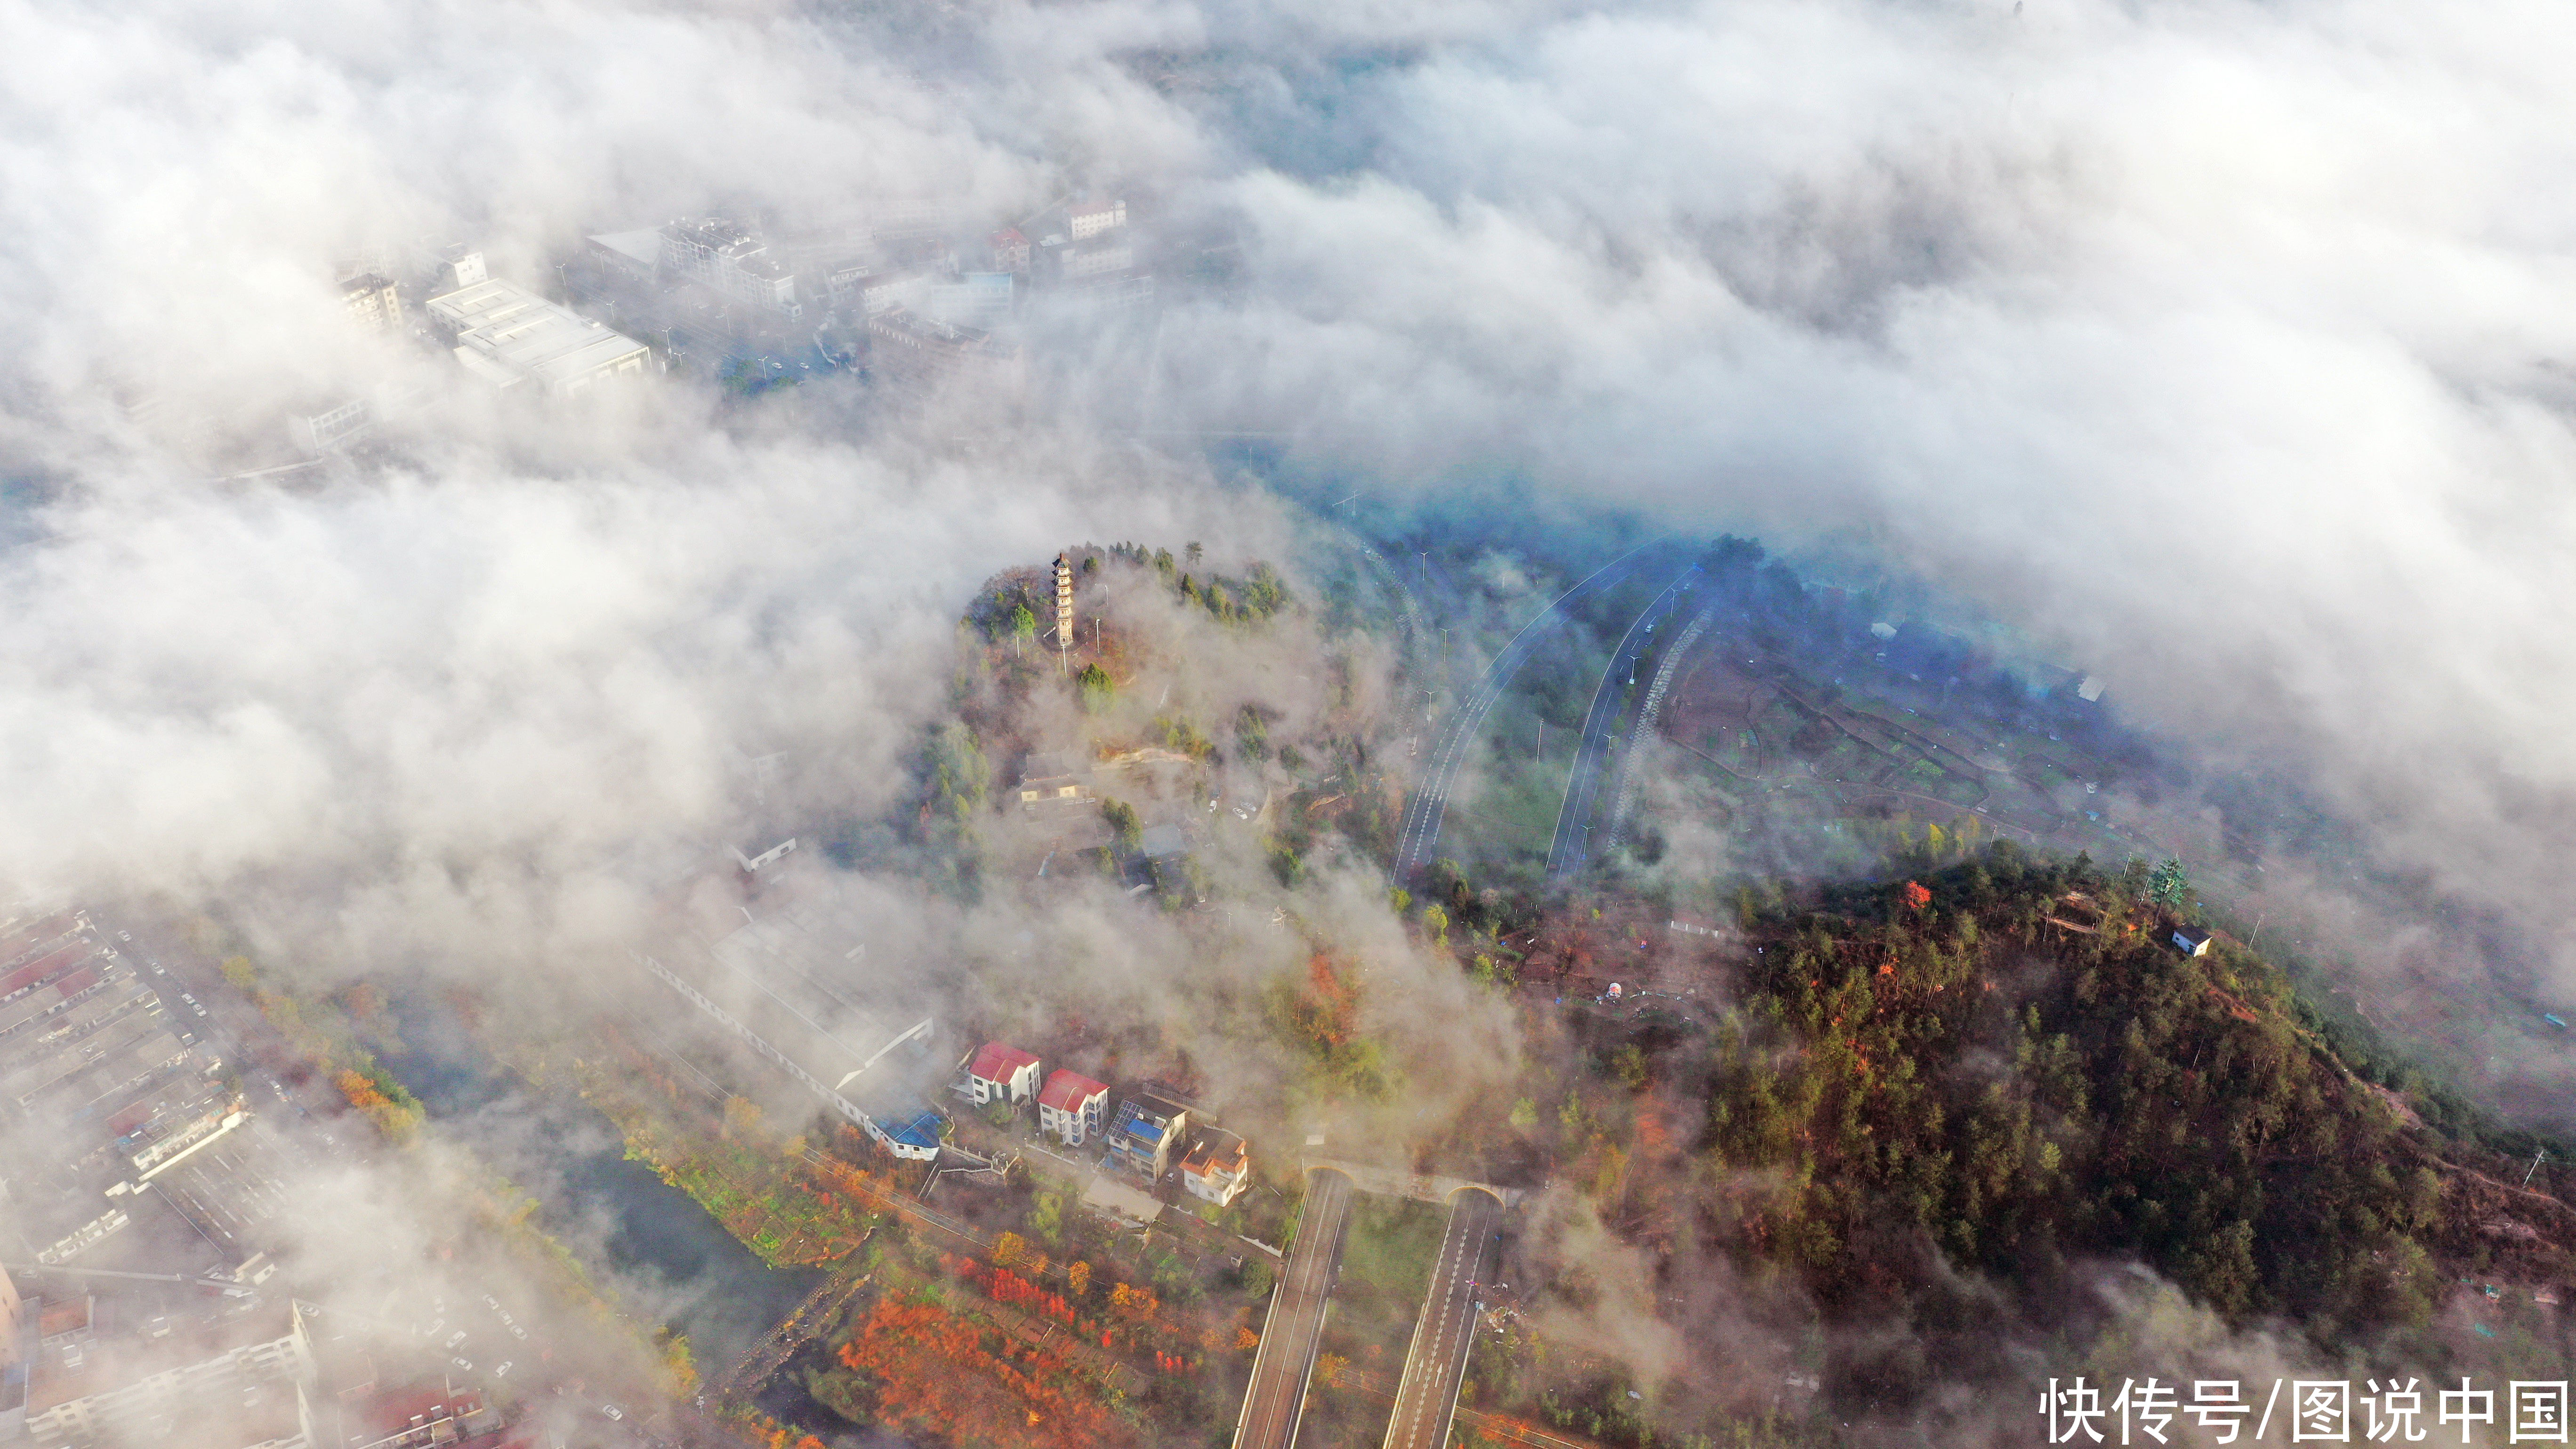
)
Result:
{"points": [[1002, 1074], [1072, 1107], [422, 1414]]}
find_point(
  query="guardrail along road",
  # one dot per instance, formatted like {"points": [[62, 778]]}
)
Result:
{"points": [[1437, 1362], [1276, 1398]]}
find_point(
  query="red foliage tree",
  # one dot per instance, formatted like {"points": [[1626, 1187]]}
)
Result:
{"points": [[938, 1372]]}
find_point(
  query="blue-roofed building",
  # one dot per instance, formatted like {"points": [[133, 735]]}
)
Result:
{"points": [[909, 1130], [1144, 1134]]}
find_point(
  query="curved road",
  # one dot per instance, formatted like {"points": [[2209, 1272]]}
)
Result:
{"points": [[1437, 1362], [1423, 815], [1276, 1398], [1571, 849]]}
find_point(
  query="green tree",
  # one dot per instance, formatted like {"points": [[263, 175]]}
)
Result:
{"points": [[2168, 884], [1265, 595], [1024, 627], [1095, 688], [1124, 827], [1252, 733], [959, 775], [1629, 1065]]}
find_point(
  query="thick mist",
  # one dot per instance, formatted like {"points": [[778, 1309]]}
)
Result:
{"points": [[2219, 348]]}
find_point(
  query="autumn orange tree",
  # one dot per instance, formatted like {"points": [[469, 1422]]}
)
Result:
{"points": [[935, 1371]]}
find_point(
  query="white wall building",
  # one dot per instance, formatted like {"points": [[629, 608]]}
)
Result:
{"points": [[733, 260], [1217, 1167], [1002, 1073], [1072, 1107], [1091, 218], [239, 1394], [510, 337]]}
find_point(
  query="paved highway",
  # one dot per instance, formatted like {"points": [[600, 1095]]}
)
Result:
{"points": [[1276, 1398], [1423, 815], [1428, 1396], [1571, 849]]}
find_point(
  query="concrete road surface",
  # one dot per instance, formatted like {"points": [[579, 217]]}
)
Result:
{"points": [[1276, 1398], [1419, 840], [1571, 849], [1428, 1397]]}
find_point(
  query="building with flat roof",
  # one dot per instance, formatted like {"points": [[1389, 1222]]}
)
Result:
{"points": [[1090, 218], [231, 1377], [1096, 259], [731, 258], [411, 1416], [636, 254], [372, 302], [331, 428], [511, 337], [977, 299], [919, 356], [17, 1338], [1145, 1134], [789, 984]]}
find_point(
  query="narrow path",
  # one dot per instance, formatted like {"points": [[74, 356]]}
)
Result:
{"points": [[793, 1332]]}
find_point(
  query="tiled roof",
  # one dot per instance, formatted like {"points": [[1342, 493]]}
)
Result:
{"points": [[1067, 1090], [997, 1061]]}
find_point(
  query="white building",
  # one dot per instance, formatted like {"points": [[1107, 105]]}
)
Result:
{"points": [[978, 299], [637, 254], [511, 337], [1100, 259], [331, 429], [231, 1385], [1217, 1167], [372, 302], [1002, 1073], [732, 259], [1145, 1133], [923, 358], [1072, 1107], [884, 291], [1091, 218]]}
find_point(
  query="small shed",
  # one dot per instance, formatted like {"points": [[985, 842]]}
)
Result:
{"points": [[2191, 940]]}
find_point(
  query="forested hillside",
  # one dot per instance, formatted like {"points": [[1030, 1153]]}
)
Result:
{"points": [[2012, 1061]]}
